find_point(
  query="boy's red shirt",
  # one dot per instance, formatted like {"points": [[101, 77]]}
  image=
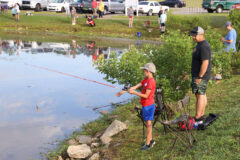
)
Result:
{"points": [[148, 84]]}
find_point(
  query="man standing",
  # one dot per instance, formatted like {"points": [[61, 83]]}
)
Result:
{"points": [[94, 7], [230, 39], [201, 70]]}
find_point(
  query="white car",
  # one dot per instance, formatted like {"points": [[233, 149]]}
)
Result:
{"points": [[11, 3], [59, 5], [150, 7], [37, 5]]}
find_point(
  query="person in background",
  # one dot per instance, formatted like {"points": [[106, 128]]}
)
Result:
{"points": [[94, 7], [230, 39], [14, 11], [100, 9], [17, 12], [159, 16], [73, 15], [163, 20], [130, 15], [90, 21]]}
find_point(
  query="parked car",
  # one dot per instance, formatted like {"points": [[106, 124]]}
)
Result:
{"points": [[37, 5], [11, 3], [150, 7], [59, 5], [174, 3], [109, 5], [217, 5]]}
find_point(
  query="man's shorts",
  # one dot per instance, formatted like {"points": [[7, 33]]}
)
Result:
{"points": [[148, 112], [163, 24], [199, 88]]}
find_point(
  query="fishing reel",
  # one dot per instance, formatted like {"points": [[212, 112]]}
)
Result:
{"points": [[126, 88], [159, 89]]}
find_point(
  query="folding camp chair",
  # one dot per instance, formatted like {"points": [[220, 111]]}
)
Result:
{"points": [[160, 111], [185, 136]]}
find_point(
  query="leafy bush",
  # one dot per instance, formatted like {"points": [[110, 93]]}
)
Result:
{"points": [[234, 17], [222, 63], [172, 60]]}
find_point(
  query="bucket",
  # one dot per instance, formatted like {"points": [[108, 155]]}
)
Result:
{"points": [[139, 34]]}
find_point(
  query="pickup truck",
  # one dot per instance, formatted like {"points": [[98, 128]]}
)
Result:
{"points": [[37, 5], [109, 5], [217, 5]]}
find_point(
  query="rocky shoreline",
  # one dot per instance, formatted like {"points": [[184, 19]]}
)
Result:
{"points": [[90, 148]]}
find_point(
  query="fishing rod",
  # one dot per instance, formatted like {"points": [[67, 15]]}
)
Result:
{"points": [[71, 75]]}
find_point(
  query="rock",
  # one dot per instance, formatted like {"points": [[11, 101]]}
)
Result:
{"points": [[112, 145], [104, 112], [99, 134], [79, 151], [60, 158], [95, 139], [83, 139], [95, 156], [113, 117], [72, 142], [95, 145], [116, 127]]}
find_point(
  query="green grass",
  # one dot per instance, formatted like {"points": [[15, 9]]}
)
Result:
{"points": [[115, 27], [57, 24], [221, 140]]}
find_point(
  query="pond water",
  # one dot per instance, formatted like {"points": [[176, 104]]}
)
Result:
{"points": [[39, 105]]}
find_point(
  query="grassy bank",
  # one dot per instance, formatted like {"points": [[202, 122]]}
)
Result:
{"points": [[221, 140], [115, 27]]}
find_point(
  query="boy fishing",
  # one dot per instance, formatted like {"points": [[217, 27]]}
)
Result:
{"points": [[147, 100]]}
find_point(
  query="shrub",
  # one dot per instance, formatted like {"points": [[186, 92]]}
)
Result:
{"points": [[172, 60], [234, 17]]}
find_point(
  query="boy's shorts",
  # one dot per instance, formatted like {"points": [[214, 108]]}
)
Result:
{"points": [[148, 112], [199, 88], [162, 24]]}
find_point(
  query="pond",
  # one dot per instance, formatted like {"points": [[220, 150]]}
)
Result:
{"points": [[43, 96]]}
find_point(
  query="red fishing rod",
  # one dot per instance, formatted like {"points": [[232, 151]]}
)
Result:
{"points": [[70, 75]]}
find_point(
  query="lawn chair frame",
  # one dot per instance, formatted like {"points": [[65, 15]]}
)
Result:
{"points": [[186, 137]]}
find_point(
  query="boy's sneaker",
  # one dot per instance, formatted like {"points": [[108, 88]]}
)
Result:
{"points": [[145, 147], [152, 143]]}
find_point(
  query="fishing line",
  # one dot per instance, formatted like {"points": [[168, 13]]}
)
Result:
{"points": [[70, 75]]}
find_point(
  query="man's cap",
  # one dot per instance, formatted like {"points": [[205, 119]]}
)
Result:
{"points": [[228, 23], [150, 67], [196, 31]]}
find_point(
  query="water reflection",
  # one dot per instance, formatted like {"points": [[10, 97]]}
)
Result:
{"points": [[38, 106]]}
